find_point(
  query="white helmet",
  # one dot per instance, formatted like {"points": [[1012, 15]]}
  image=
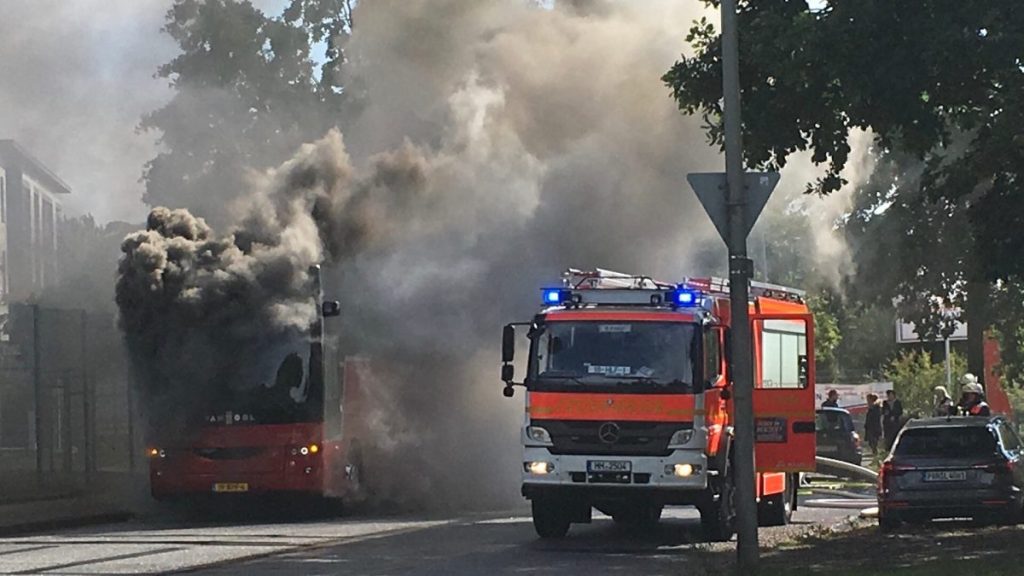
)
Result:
{"points": [[968, 378], [972, 388]]}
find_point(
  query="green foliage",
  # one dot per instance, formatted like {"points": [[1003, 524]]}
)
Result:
{"points": [[938, 83], [246, 95], [826, 337], [915, 376]]}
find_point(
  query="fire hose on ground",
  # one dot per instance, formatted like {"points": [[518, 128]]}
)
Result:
{"points": [[845, 499]]}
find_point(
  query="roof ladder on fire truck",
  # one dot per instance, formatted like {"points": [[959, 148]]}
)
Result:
{"points": [[715, 285], [599, 278]]}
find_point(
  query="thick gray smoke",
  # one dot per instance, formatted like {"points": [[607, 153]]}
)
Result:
{"points": [[77, 78], [552, 143], [500, 143]]}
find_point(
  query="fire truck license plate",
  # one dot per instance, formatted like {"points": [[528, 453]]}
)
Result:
{"points": [[609, 466], [231, 487], [945, 476]]}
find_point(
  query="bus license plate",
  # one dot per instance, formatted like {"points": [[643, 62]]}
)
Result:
{"points": [[609, 466], [945, 476], [230, 487]]}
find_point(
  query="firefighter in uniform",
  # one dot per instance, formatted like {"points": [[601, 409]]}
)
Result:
{"points": [[972, 397]]}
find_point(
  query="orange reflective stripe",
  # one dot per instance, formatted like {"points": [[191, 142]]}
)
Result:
{"points": [[626, 407]]}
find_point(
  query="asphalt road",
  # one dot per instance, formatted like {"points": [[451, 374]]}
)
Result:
{"points": [[488, 544]]}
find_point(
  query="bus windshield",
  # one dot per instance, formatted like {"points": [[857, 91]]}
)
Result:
{"points": [[285, 387], [654, 356]]}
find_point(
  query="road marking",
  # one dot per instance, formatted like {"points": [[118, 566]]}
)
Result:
{"points": [[96, 560]]}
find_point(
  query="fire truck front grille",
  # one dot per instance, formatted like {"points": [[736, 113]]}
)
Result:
{"points": [[610, 438]]}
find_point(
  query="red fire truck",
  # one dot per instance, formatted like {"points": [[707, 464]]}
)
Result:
{"points": [[629, 401], [285, 437]]}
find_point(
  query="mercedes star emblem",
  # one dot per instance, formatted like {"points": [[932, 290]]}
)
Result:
{"points": [[608, 432]]}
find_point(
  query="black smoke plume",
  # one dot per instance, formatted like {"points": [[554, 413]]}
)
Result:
{"points": [[201, 310]]}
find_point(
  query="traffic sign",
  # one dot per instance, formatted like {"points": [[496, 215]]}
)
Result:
{"points": [[711, 191]]}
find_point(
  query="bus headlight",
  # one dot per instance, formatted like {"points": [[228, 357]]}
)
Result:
{"points": [[539, 468], [680, 438], [538, 434]]}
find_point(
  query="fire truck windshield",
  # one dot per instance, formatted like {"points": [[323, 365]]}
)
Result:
{"points": [[640, 356]]}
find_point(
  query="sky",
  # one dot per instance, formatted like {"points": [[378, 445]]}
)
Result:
{"points": [[78, 77]]}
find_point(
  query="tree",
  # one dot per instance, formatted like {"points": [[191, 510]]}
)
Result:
{"points": [[246, 95], [914, 376], [937, 81]]}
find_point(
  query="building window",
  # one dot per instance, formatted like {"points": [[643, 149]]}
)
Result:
{"points": [[3, 200]]}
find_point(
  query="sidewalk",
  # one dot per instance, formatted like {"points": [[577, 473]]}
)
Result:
{"points": [[43, 515], [111, 497]]}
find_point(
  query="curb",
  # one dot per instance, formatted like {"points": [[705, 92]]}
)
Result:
{"points": [[35, 526]]}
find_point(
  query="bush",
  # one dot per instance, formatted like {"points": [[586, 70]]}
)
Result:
{"points": [[915, 376]]}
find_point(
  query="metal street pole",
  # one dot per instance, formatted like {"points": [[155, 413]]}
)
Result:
{"points": [[739, 277], [949, 371]]}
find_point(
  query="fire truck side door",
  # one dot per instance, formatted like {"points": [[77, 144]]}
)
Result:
{"points": [[784, 412]]}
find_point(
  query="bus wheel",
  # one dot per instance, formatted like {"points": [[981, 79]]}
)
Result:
{"points": [[718, 518], [550, 519]]}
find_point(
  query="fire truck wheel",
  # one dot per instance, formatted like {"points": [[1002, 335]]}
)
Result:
{"points": [[776, 510], [718, 518], [550, 519]]}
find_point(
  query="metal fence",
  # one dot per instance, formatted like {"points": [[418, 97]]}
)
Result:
{"points": [[65, 401]]}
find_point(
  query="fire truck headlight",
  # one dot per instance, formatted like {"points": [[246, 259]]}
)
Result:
{"points": [[538, 434], [539, 468], [681, 438], [682, 470]]}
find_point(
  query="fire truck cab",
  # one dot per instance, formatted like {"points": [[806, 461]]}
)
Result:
{"points": [[629, 401]]}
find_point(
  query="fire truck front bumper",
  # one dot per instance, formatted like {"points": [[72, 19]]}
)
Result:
{"points": [[679, 478]]}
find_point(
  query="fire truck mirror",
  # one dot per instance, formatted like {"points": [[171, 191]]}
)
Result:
{"points": [[330, 308], [508, 372], [508, 346]]}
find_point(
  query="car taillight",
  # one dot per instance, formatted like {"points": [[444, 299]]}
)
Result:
{"points": [[890, 470]]}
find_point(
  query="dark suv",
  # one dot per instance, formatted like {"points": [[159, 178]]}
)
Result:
{"points": [[959, 467], [836, 437]]}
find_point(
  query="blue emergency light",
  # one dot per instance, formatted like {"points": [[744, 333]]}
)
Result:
{"points": [[684, 298], [554, 296]]}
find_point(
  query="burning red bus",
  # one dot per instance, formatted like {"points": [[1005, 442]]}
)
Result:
{"points": [[283, 434]]}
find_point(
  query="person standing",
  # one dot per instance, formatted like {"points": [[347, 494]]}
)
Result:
{"points": [[873, 425], [892, 418], [943, 403], [972, 397], [831, 400]]}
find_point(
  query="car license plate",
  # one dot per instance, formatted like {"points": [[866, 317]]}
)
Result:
{"points": [[230, 487], [609, 466], [945, 476]]}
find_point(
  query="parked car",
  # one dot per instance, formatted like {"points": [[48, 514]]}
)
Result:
{"points": [[837, 437], [959, 467]]}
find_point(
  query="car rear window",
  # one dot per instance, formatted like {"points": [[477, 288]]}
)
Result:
{"points": [[834, 421], [949, 441]]}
